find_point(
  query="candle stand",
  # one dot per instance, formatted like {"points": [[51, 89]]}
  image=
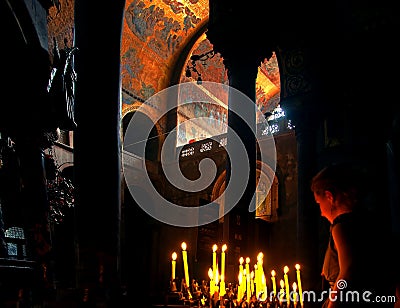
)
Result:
{"points": [[270, 302], [172, 286], [200, 297]]}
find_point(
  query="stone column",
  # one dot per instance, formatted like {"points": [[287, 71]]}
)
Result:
{"points": [[242, 74], [97, 148], [300, 102], [308, 215]]}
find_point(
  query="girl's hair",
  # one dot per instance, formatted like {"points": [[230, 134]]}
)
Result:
{"points": [[343, 181]]}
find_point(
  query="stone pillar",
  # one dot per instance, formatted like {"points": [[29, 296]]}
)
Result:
{"points": [[242, 74], [97, 149], [299, 100], [308, 215]]}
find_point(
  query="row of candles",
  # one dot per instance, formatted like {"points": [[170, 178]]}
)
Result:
{"points": [[249, 282]]}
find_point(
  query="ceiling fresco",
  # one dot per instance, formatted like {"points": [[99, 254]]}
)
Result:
{"points": [[268, 85], [213, 69], [154, 36]]}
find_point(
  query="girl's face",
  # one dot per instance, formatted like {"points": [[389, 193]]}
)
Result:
{"points": [[325, 201]]}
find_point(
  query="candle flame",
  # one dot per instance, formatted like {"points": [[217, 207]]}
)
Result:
{"points": [[260, 256], [210, 273], [286, 269], [273, 273], [215, 247], [282, 283], [183, 246], [294, 286], [174, 256], [297, 266], [241, 260], [247, 260], [224, 247]]}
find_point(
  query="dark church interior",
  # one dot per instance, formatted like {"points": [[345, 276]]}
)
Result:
{"points": [[83, 82]]}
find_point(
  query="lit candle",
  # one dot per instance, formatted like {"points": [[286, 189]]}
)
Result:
{"points": [[241, 260], [282, 291], [212, 284], [252, 282], [264, 290], [224, 247], [214, 248], [174, 256], [248, 294], [257, 280], [242, 284], [285, 276], [185, 264], [299, 284], [273, 282], [240, 291], [294, 293], [260, 261], [222, 290]]}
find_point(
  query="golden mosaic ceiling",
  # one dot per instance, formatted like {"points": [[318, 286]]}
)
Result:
{"points": [[154, 36]]}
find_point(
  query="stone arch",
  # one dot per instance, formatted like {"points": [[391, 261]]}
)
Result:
{"points": [[273, 192]]}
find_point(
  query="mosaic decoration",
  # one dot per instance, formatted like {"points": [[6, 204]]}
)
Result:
{"points": [[153, 37], [213, 69], [154, 32], [268, 85]]}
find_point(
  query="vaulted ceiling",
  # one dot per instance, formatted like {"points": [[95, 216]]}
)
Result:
{"points": [[158, 40]]}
